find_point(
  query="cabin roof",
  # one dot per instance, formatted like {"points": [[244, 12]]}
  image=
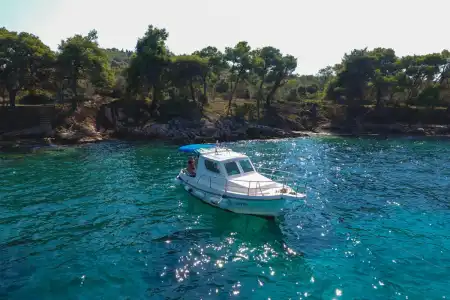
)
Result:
{"points": [[222, 155]]}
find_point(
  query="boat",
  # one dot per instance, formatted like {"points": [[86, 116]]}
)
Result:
{"points": [[229, 180]]}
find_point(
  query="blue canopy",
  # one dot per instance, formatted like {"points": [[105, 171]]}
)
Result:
{"points": [[193, 148]]}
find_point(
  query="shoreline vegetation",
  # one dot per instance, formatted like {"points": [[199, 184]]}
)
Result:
{"points": [[82, 93]]}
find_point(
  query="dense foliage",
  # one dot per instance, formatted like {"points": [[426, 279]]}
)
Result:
{"points": [[379, 75], [24, 62], [80, 59], [153, 73]]}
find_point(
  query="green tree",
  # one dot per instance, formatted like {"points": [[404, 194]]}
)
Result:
{"points": [[291, 91], [384, 78], [80, 58], [264, 61], [410, 77], [444, 75], [324, 75], [420, 72], [216, 66], [284, 67], [353, 77], [239, 60], [429, 96], [119, 59], [148, 67], [25, 62], [187, 70]]}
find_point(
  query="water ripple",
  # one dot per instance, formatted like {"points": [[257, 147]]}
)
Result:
{"points": [[106, 220]]}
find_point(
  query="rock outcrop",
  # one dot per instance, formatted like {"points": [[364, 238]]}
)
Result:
{"points": [[132, 120], [182, 130]]}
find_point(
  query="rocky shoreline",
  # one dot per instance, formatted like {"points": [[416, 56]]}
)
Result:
{"points": [[181, 132], [177, 131], [184, 131], [91, 125]]}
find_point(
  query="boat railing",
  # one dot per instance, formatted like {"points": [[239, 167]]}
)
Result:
{"points": [[215, 150], [273, 171], [280, 185]]}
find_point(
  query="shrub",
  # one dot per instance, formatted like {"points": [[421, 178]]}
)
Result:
{"points": [[246, 111], [36, 98]]}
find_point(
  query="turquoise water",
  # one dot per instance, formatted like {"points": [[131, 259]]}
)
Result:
{"points": [[106, 221]]}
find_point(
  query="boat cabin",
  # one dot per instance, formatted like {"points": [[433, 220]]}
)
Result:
{"points": [[223, 163], [225, 171], [228, 180]]}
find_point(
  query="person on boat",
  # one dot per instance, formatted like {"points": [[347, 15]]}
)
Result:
{"points": [[191, 167]]}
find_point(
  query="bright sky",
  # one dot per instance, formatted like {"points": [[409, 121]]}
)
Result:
{"points": [[317, 32]]}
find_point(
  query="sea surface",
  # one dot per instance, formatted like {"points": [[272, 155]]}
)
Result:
{"points": [[106, 221]]}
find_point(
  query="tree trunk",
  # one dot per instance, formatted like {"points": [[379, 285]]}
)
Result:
{"points": [[269, 97], [205, 93], [258, 98], [61, 94], [232, 94], [155, 101], [213, 93], [230, 98], [272, 93], [75, 93], [3, 96], [391, 96], [205, 90], [258, 101], [191, 87], [412, 89], [378, 98], [12, 97], [144, 92], [74, 86]]}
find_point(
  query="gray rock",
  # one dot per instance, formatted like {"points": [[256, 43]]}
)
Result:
{"points": [[208, 131], [121, 115], [156, 130], [397, 128], [45, 130], [261, 131], [417, 130], [108, 115], [442, 129]]}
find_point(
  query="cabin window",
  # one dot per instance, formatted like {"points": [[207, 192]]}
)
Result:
{"points": [[232, 168], [246, 166], [212, 166]]}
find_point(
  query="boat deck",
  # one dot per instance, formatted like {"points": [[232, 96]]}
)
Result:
{"points": [[253, 186]]}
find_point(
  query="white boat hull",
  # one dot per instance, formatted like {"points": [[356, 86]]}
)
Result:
{"points": [[229, 180], [272, 207]]}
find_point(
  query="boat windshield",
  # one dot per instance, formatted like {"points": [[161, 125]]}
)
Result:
{"points": [[232, 168], [212, 166], [246, 166]]}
